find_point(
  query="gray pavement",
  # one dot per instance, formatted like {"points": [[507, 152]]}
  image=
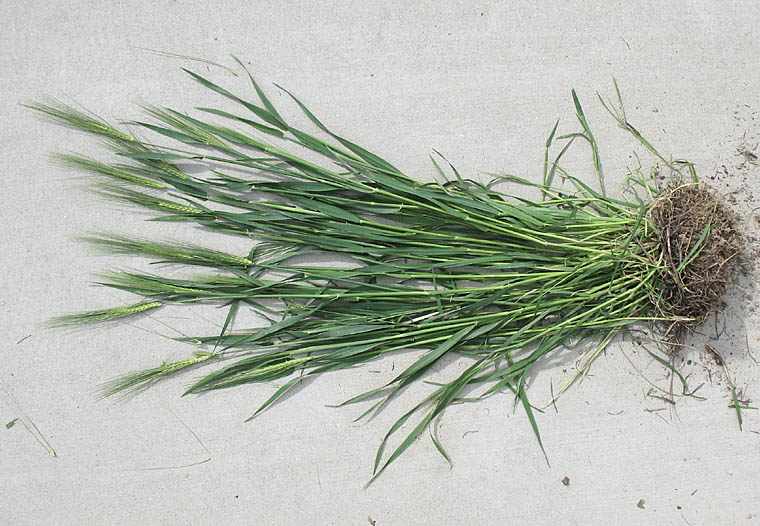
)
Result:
{"points": [[483, 83]]}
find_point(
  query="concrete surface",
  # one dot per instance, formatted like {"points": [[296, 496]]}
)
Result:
{"points": [[481, 82]]}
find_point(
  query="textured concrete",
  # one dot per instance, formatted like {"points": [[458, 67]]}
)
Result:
{"points": [[483, 83]]}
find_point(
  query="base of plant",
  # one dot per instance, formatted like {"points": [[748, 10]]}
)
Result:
{"points": [[700, 244]]}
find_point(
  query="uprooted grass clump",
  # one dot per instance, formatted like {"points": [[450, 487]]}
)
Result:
{"points": [[452, 266]]}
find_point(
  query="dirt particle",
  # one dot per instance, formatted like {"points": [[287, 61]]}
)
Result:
{"points": [[566, 481], [749, 156]]}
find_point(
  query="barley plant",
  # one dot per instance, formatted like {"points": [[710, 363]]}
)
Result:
{"points": [[452, 267]]}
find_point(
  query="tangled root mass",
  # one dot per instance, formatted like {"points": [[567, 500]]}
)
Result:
{"points": [[700, 245]]}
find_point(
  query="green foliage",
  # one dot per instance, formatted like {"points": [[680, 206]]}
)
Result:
{"points": [[447, 267]]}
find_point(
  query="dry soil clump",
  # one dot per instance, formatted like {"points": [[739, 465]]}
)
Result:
{"points": [[701, 245]]}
